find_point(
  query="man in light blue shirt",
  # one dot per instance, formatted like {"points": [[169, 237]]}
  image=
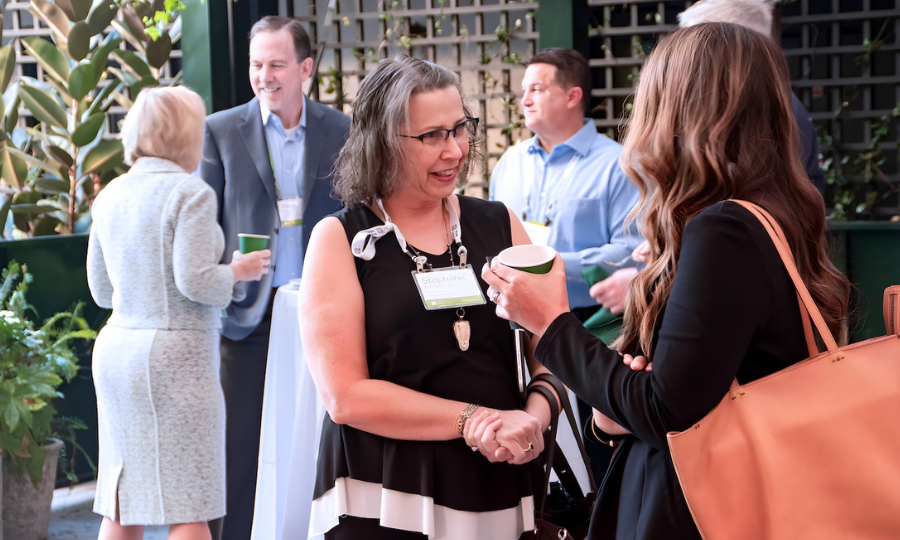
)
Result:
{"points": [[565, 183], [286, 150]]}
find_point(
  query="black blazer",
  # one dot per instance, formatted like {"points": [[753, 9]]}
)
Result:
{"points": [[732, 312]]}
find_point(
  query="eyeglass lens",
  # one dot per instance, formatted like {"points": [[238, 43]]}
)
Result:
{"points": [[440, 136]]}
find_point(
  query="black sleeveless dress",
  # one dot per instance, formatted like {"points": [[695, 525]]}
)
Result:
{"points": [[428, 486]]}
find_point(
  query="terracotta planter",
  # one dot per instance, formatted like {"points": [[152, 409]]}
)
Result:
{"points": [[26, 508]]}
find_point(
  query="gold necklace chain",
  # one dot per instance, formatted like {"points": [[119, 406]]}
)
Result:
{"points": [[449, 244]]}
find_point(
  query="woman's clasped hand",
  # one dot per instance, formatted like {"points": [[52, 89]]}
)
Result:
{"points": [[513, 436]]}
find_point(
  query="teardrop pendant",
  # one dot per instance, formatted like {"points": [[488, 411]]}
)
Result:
{"points": [[462, 330]]}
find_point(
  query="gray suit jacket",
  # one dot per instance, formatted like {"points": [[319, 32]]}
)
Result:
{"points": [[236, 164]]}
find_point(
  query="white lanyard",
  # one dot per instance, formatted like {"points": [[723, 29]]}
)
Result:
{"points": [[363, 245], [557, 188]]}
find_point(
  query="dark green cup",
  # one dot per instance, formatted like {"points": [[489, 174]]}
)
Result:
{"points": [[252, 242]]}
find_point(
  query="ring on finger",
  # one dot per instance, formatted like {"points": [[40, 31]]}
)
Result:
{"points": [[529, 449], [474, 448], [494, 296]]}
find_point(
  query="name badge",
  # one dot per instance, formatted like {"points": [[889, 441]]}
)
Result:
{"points": [[290, 211], [444, 288]]}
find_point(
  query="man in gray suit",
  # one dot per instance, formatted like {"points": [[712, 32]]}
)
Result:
{"points": [[270, 163]]}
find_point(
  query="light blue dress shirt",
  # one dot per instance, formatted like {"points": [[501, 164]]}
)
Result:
{"points": [[287, 155], [583, 193]]}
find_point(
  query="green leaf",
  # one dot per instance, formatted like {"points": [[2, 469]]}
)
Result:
{"points": [[13, 169], [35, 466], [100, 56], [97, 104], [134, 21], [55, 18], [125, 76], [102, 14], [82, 8], [133, 63], [82, 80], [45, 226], [66, 6], [50, 167], [7, 66], [43, 106], [107, 154], [12, 109], [87, 131], [61, 156], [145, 82], [52, 184], [79, 41], [158, 51], [4, 215], [49, 57], [11, 415]]}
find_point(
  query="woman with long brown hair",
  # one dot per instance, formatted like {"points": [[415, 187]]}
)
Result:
{"points": [[712, 122]]}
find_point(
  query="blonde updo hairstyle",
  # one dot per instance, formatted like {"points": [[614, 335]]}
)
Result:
{"points": [[167, 123]]}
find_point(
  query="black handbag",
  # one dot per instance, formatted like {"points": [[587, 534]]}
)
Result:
{"points": [[564, 511]]}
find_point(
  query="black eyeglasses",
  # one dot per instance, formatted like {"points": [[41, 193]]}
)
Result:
{"points": [[438, 137]]}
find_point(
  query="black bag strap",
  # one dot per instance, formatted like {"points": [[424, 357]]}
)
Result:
{"points": [[549, 442], [561, 464]]}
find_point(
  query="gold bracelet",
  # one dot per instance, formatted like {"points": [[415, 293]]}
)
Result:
{"points": [[465, 415]]}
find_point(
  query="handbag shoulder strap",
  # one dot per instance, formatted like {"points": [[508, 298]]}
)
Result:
{"points": [[892, 309], [570, 415], [784, 251], [549, 442]]}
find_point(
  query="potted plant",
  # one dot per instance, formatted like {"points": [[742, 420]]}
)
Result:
{"points": [[34, 362]]}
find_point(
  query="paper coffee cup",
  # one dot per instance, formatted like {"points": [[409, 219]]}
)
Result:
{"points": [[252, 242], [529, 258]]}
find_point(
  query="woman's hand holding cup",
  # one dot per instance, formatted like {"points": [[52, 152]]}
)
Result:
{"points": [[250, 266], [531, 299]]}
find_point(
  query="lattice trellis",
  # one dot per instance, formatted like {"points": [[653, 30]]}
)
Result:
{"points": [[843, 54], [844, 58], [845, 66], [484, 41], [18, 22], [621, 35]]}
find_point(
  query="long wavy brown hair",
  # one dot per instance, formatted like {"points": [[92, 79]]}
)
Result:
{"points": [[712, 120]]}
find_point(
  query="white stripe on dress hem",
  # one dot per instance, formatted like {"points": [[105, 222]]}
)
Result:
{"points": [[417, 513]]}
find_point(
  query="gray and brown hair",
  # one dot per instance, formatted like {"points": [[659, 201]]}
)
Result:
{"points": [[369, 165]]}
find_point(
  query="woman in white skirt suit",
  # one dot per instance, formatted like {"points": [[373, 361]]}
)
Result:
{"points": [[153, 258]]}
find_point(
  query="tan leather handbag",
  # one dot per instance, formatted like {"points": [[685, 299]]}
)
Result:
{"points": [[809, 452]]}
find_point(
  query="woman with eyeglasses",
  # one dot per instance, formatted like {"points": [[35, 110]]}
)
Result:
{"points": [[405, 349]]}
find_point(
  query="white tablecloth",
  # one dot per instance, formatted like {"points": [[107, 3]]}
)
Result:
{"points": [[291, 425]]}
